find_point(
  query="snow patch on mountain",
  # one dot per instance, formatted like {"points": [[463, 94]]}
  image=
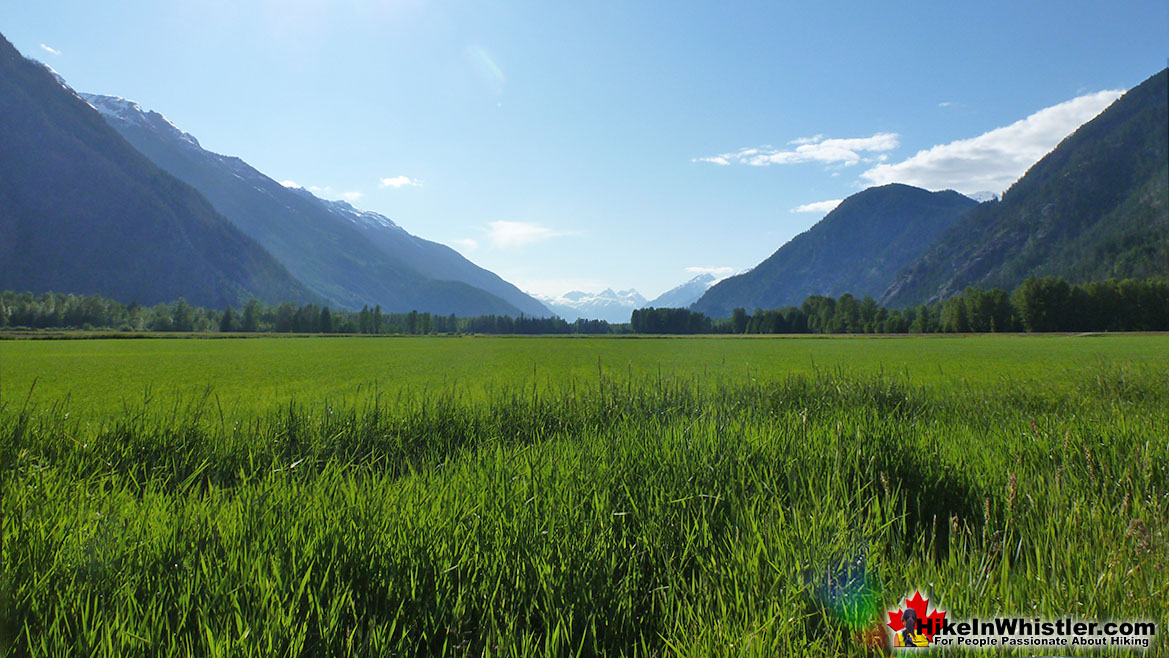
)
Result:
{"points": [[127, 111], [982, 197], [614, 306], [53, 72], [684, 295], [357, 216], [132, 113]]}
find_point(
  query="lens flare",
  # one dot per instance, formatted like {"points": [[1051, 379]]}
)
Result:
{"points": [[486, 67]]}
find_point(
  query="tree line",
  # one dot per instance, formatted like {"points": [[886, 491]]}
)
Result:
{"points": [[1039, 304], [89, 312]]}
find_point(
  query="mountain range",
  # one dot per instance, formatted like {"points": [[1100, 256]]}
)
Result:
{"points": [[82, 211], [99, 196], [1095, 207], [349, 257], [121, 202], [614, 306], [857, 248], [617, 306], [685, 294]]}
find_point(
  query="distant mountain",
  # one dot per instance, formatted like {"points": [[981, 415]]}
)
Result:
{"points": [[857, 248], [82, 211], [348, 256], [686, 294], [433, 259], [1095, 207], [609, 305]]}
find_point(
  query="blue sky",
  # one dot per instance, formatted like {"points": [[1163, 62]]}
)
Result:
{"points": [[608, 144]]}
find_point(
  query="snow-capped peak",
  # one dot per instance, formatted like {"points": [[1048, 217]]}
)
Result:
{"points": [[122, 109], [52, 71], [984, 196], [609, 305], [357, 216]]}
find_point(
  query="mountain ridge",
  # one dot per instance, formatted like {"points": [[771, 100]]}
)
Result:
{"points": [[1095, 207], [82, 211], [349, 256], [856, 248], [613, 306], [684, 294]]}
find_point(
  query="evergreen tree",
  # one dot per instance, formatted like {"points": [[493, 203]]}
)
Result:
{"points": [[739, 320], [183, 316], [227, 322], [251, 321]]}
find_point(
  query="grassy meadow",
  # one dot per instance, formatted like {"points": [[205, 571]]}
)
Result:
{"points": [[472, 496]]}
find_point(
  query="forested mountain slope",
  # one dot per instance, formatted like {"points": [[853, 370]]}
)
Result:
{"points": [[82, 211], [350, 257], [857, 248], [1095, 207]]}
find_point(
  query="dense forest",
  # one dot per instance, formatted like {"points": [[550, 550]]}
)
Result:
{"points": [[1039, 304]]}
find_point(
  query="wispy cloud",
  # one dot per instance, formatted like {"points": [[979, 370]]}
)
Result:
{"points": [[399, 181], [504, 234], [291, 183], [946, 104], [818, 206], [844, 152], [468, 244], [997, 158], [49, 49], [351, 196]]}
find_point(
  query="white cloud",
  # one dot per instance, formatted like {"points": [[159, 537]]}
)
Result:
{"points": [[818, 206], [995, 159], [946, 104], [505, 234], [845, 152], [49, 49], [399, 181], [717, 271], [713, 159], [806, 140], [467, 244], [291, 183], [351, 196]]}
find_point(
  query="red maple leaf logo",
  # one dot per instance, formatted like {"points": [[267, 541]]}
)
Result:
{"points": [[930, 623]]}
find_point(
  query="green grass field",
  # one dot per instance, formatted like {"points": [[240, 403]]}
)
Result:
{"points": [[572, 496], [258, 374]]}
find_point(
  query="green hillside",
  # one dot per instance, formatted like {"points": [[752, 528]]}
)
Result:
{"points": [[857, 248]]}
